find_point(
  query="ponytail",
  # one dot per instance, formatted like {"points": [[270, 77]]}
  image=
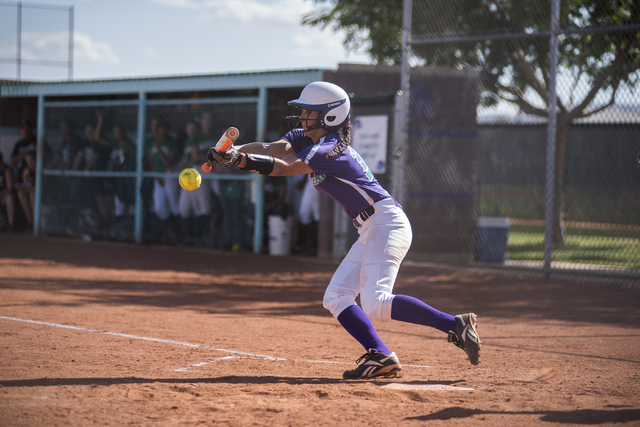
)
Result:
{"points": [[344, 140]]}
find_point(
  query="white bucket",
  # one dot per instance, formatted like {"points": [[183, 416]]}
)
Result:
{"points": [[280, 235]]}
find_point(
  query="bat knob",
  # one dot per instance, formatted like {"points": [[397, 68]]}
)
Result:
{"points": [[206, 167], [233, 133]]}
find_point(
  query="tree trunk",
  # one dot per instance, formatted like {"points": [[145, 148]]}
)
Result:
{"points": [[562, 130]]}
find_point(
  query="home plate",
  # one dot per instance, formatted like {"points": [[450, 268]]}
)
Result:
{"points": [[426, 387]]}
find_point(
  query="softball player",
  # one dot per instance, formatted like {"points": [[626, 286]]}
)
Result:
{"points": [[321, 148]]}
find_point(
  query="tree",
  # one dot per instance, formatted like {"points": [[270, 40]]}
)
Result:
{"points": [[514, 70]]}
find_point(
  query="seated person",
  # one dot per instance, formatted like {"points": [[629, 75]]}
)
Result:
{"points": [[26, 191], [7, 192]]}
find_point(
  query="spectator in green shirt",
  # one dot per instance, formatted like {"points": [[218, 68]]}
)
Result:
{"points": [[162, 153], [195, 206]]}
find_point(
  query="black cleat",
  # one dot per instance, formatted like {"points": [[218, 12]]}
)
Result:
{"points": [[465, 336], [375, 365]]}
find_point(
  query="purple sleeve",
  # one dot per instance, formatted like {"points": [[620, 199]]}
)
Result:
{"points": [[314, 154]]}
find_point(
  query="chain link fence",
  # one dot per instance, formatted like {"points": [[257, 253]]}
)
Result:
{"points": [[479, 142], [112, 166]]}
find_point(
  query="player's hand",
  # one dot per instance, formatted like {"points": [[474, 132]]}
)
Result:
{"points": [[231, 157]]}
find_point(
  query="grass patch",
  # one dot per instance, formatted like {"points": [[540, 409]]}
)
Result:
{"points": [[607, 247]]}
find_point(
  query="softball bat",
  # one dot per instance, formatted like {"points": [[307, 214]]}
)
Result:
{"points": [[223, 144]]}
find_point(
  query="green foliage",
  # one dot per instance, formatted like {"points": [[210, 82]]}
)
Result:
{"points": [[373, 25], [509, 67]]}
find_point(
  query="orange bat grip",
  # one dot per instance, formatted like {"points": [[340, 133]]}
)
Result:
{"points": [[227, 140]]}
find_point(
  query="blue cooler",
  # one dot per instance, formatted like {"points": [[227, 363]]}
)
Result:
{"points": [[493, 234]]}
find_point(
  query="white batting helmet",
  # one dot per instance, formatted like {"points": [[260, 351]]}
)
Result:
{"points": [[331, 100]]}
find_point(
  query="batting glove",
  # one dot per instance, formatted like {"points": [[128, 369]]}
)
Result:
{"points": [[231, 157]]}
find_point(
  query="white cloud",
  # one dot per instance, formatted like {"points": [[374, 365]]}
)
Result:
{"points": [[244, 11], [55, 47], [182, 4], [86, 48], [45, 46], [308, 44]]}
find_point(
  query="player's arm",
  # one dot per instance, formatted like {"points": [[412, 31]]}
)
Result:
{"points": [[54, 162], [8, 179], [92, 160], [97, 134], [78, 159], [277, 149], [274, 158], [16, 156], [289, 165]]}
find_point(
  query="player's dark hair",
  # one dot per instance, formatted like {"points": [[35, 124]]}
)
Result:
{"points": [[344, 140]]}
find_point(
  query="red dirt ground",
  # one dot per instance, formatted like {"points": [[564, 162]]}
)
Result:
{"points": [[117, 334]]}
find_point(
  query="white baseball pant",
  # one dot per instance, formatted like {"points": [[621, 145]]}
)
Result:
{"points": [[371, 266]]}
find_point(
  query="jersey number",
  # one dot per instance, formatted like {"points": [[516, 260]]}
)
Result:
{"points": [[358, 159]]}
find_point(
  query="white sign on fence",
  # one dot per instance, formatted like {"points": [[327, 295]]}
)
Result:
{"points": [[370, 141]]}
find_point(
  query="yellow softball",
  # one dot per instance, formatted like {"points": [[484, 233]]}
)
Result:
{"points": [[190, 179]]}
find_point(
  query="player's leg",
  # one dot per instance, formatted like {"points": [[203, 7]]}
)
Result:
{"points": [[185, 207], [462, 329], [24, 197], [159, 202], [340, 300], [388, 239], [387, 236], [10, 207], [172, 189], [340, 296], [202, 202], [184, 204], [202, 208]]}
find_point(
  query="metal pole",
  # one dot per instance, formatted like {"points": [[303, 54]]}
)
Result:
{"points": [[19, 57], [139, 224], [405, 71], [258, 182], [551, 137], [37, 211], [396, 146], [71, 43], [261, 118]]}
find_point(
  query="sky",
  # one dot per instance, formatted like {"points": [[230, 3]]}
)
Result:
{"points": [[143, 38]]}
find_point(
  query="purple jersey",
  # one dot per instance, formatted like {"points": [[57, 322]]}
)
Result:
{"points": [[345, 178]]}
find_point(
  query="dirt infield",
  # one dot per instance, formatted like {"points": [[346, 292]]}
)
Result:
{"points": [[110, 334]]}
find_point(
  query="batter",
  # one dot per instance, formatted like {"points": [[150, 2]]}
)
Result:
{"points": [[322, 149]]}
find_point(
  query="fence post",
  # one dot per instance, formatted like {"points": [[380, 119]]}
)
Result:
{"points": [[19, 43], [405, 73], [71, 13], [37, 208], [551, 137], [258, 182], [139, 223]]}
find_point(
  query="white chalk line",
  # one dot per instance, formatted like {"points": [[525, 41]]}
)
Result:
{"points": [[242, 354], [186, 344], [425, 387]]}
